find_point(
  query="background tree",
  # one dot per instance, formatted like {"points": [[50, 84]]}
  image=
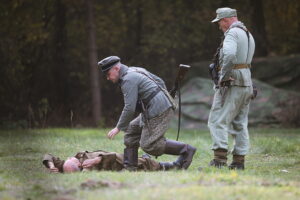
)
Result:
{"points": [[94, 72], [48, 49], [258, 20]]}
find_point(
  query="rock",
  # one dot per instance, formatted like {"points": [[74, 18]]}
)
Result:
{"points": [[272, 107]]}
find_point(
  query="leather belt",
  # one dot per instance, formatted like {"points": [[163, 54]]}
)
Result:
{"points": [[241, 66], [153, 94]]}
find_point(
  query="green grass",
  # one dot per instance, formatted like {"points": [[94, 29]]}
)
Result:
{"points": [[272, 168]]}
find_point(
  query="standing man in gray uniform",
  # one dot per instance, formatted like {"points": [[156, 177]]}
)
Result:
{"points": [[229, 111], [142, 89]]}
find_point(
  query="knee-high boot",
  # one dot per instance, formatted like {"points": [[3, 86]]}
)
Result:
{"points": [[185, 152], [131, 158]]}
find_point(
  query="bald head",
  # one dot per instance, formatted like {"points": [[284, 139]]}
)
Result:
{"points": [[71, 165]]}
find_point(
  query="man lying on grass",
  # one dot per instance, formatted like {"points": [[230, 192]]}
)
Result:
{"points": [[99, 160]]}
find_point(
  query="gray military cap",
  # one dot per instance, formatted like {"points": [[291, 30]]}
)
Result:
{"points": [[108, 63], [224, 13]]}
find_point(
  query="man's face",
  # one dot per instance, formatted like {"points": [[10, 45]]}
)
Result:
{"points": [[223, 24], [113, 74]]}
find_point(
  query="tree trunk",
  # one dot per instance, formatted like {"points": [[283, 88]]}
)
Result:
{"points": [[59, 61], [259, 31], [94, 73]]}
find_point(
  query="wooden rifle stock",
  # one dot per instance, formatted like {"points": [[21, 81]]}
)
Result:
{"points": [[180, 76]]}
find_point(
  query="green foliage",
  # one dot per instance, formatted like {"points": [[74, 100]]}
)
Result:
{"points": [[44, 54], [271, 175]]}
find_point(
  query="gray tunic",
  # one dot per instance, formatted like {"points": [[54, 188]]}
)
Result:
{"points": [[137, 86], [236, 50]]}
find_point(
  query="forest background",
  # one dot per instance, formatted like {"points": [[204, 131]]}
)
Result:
{"points": [[49, 50]]}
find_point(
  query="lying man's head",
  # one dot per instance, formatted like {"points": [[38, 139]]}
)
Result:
{"points": [[71, 165]]}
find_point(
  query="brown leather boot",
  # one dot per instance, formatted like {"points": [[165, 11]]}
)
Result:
{"points": [[185, 152], [130, 162], [220, 158], [238, 162]]}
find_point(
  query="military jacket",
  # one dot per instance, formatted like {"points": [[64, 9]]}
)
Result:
{"points": [[110, 161], [236, 50], [136, 86]]}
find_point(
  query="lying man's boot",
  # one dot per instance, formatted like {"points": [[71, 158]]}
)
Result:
{"points": [[220, 158], [237, 162], [185, 152], [165, 166], [130, 162]]}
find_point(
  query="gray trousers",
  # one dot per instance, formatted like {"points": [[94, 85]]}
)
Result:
{"points": [[231, 118], [151, 141]]}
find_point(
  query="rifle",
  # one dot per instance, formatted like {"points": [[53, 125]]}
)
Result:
{"points": [[213, 68], [180, 75], [176, 88]]}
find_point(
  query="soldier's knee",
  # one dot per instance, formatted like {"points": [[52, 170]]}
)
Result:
{"points": [[152, 149]]}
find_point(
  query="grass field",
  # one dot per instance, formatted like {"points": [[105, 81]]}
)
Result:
{"points": [[272, 168]]}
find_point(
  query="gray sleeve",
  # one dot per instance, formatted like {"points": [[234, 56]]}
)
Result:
{"points": [[229, 58], [130, 92]]}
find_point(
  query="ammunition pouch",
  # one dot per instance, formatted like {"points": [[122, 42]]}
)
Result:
{"points": [[213, 72], [170, 98], [225, 83]]}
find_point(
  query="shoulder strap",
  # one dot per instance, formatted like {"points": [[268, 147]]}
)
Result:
{"points": [[141, 72], [247, 33], [166, 93]]}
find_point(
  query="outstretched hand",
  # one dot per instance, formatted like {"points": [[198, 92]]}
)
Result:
{"points": [[111, 134], [52, 168]]}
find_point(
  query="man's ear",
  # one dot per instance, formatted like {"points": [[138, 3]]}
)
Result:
{"points": [[118, 68]]}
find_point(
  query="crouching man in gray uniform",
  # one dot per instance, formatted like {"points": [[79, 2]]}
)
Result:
{"points": [[229, 112], [141, 88]]}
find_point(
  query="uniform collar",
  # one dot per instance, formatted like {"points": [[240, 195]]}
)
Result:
{"points": [[123, 72], [235, 24]]}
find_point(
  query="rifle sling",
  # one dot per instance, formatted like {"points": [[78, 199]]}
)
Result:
{"points": [[179, 112]]}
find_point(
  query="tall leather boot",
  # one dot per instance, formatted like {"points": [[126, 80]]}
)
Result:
{"points": [[185, 152], [130, 162], [238, 162], [220, 158]]}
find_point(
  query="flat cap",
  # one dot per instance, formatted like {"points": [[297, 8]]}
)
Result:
{"points": [[224, 13], [108, 63]]}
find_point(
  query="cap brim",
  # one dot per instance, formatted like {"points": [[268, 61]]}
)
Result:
{"points": [[215, 20]]}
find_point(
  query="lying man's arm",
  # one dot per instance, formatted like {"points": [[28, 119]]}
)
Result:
{"points": [[89, 163], [54, 164], [52, 167]]}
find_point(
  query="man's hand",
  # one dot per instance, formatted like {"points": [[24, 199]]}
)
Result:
{"points": [[88, 163], [111, 134], [52, 168]]}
